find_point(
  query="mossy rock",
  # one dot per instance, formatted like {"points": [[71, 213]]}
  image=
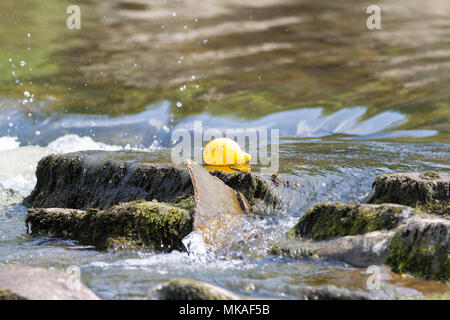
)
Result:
{"points": [[6, 294], [189, 289], [336, 219], [100, 179], [254, 187], [360, 250], [293, 249], [428, 191], [421, 247], [153, 225]]}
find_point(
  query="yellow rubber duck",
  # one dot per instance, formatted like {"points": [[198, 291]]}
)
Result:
{"points": [[224, 152]]}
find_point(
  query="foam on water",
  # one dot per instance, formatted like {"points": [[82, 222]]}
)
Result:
{"points": [[18, 164], [194, 244], [7, 143]]}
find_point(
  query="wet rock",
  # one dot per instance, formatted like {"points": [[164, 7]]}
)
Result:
{"points": [[215, 211], [154, 225], [96, 179], [101, 179], [19, 282], [422, 247], [189, 289], [336, 219], [329, 293], [258, 190], [444, 296], [358, 250], [429, 192], [218, 214]]}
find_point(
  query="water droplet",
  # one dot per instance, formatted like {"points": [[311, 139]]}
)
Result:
{"points": [[26, 94], [22, 63], [179, 104], [205, 41], [174, 14]]}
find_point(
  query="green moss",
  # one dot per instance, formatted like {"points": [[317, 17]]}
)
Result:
{"points": [[254, 188], [186, 201], [434, 208], [328, 220], [292, 249], [6, 294], [154, 225], [424, 260], [430, 175], [444, 296], [426, 191]]}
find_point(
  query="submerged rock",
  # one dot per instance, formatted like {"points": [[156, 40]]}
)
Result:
{"points": [[406, 239], [336, 219], [422, 247], [329, 293], [429, 192], [358, 250], [189, 289], [19, 282], [155, 225]]}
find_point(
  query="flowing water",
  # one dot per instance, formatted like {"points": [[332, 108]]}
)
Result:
{"points": [[350, 103]]}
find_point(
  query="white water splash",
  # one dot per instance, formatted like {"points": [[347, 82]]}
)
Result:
{"points": [[74, 143], [194, 244], [8, 143], [18, 164]]}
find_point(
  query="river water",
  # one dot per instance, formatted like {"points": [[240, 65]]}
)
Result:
{"points": [[349, 103]]}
